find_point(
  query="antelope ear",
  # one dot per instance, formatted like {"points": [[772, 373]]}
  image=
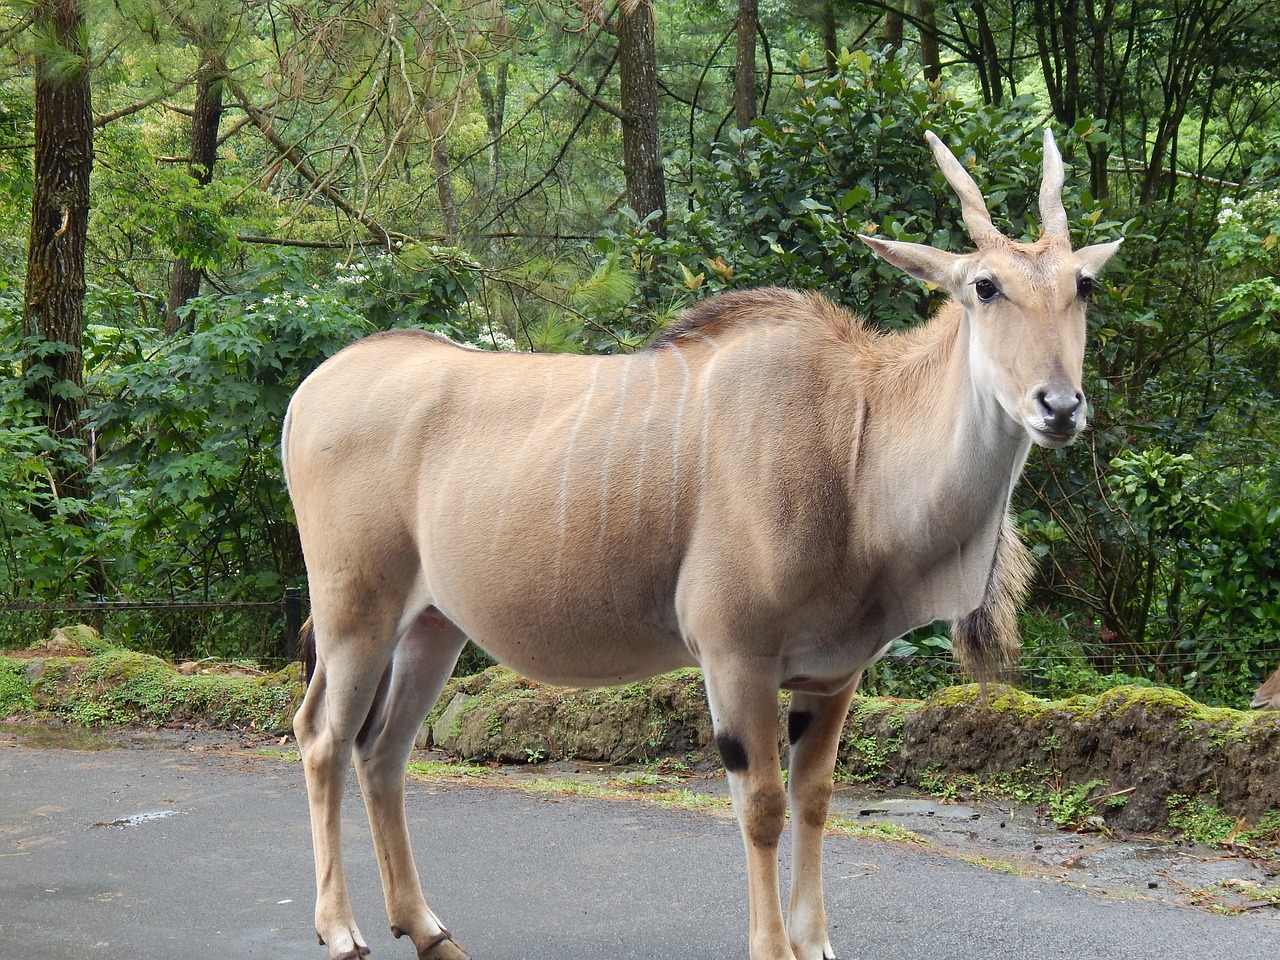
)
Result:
{"points": [[1094, 257], [922, 262]]}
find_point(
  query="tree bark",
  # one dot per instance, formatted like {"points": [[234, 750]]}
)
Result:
{"points": [[988, 56], [929, 56], [493, 101], [744, 78], [443, 170], [890, 35], [830, 42], [641, 140], [53, 300], [184, 279]]}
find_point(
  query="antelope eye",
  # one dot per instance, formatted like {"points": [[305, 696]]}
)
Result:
{"points": [[1085, 287], [985, 289]]}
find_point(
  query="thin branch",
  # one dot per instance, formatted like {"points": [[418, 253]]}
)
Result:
{"points": [[322, 244], [106, 118], [290, 152], [592, 98]]}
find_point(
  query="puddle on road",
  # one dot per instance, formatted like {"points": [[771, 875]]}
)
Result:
{"points": [[135, 819], [48, 737], [1141, 866]]}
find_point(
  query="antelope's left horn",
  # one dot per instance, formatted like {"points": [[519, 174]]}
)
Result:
{"points": [[1053, 217], [973, 208]]}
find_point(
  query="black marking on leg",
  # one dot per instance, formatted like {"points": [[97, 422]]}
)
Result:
{"points": [[797, 723], [732, 751]]}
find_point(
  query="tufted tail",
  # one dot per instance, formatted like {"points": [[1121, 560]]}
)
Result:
{"points": [[307, 648], [986, 641]]}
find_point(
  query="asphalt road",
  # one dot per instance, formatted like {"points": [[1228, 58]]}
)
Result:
{"points": [[176, 852]]}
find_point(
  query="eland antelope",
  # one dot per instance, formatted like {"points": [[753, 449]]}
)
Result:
{"points": [[1267, 696], [773, 492]]}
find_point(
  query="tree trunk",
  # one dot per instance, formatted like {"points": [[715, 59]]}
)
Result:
{"points": [[988, 56], [641, 142], [830, 42], [493, 101], [929, 57], [744, 84], [890, 35], [53, 302], [443, 170], [184, 279]]}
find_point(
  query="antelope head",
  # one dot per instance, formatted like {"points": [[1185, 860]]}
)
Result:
{"points": [[1024, 303]]}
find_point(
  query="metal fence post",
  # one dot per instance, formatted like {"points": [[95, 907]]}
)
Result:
{"points": [[292, 621]]}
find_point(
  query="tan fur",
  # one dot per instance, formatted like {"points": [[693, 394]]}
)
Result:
{"points": [[1268, 695], [774, 492]]}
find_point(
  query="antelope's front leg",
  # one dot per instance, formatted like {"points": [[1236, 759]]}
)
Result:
{"points": [[814, 724], [744, 714]]}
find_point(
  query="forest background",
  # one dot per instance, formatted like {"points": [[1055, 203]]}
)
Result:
{"points": [[201, 200]]}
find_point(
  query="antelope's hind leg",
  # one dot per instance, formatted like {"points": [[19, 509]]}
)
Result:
{"points": [[814, 724], [339, 694], [362, 697], [422, 663]]}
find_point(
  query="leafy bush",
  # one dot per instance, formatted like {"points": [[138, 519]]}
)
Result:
{"points": [[190, 434], [783, 201], [186, 496]]}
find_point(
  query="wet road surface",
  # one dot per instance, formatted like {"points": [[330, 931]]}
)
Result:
{"points": [[181, 847]]}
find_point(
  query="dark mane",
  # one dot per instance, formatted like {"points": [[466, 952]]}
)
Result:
{"points": [[738, 308]]}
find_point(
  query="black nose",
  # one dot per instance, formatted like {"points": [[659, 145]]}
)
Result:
{"points": [[1059, 409]]}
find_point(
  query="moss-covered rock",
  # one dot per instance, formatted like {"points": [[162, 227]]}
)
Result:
{"points": [[1137, 747], [121, 686], [497, 715]]}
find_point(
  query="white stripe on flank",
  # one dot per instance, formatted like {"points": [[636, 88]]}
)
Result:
{"points": [[705, 439], [620, 407], [677, 424], [444, 494], [646, 425], [562, 501]]}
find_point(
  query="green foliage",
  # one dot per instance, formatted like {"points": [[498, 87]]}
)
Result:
{"points": [[422, 285], [15, 691], [1237, 570], [783, 201], [1151, 483], [186, 220], [1071, 807], [47, 538], [914, 666], [190, 431], [1198, 820]]}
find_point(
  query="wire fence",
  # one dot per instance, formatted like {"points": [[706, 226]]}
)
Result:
{"points": [[261, 630], [1217, 671]]}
